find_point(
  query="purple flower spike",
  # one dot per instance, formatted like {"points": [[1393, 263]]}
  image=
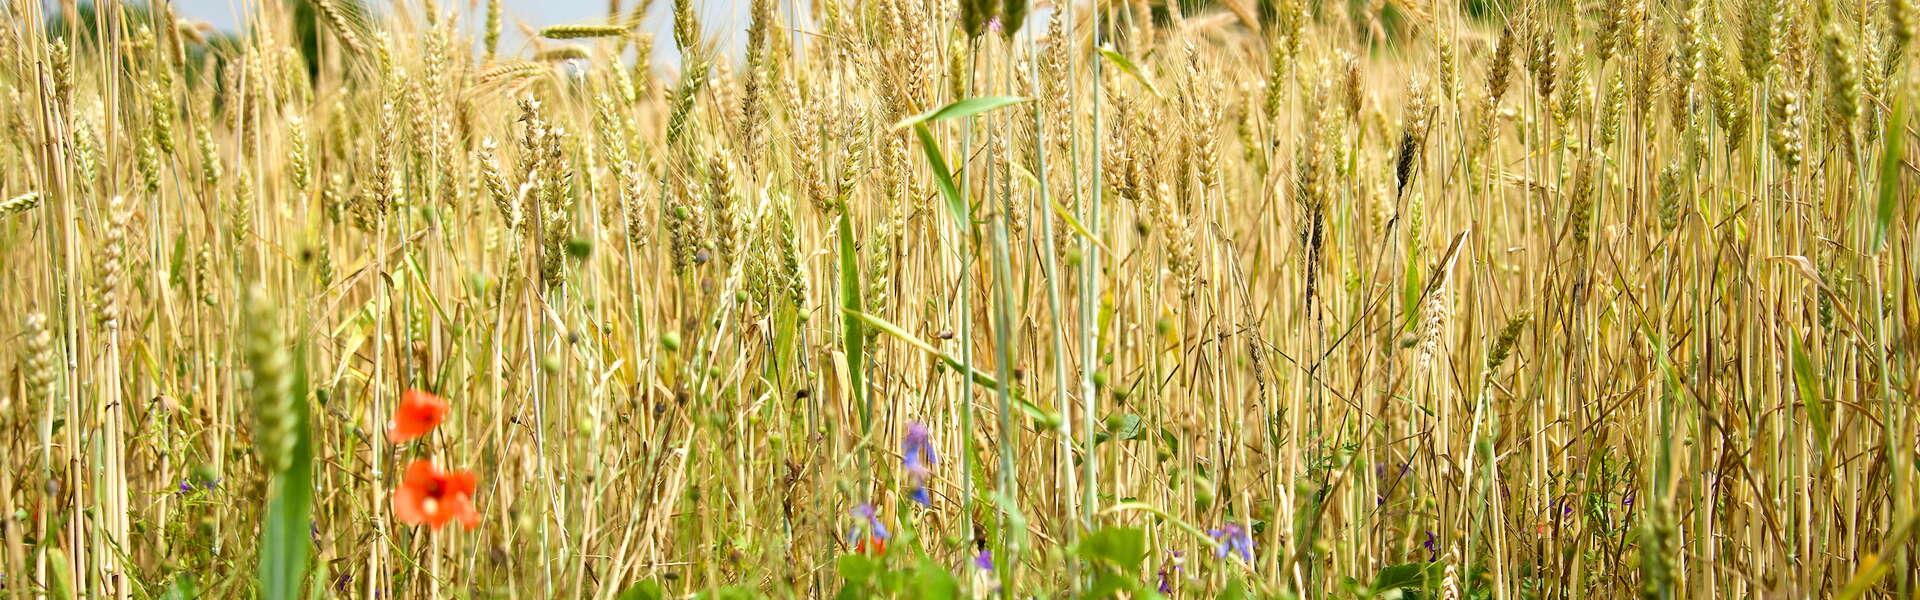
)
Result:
{"points": [[1233, 539], [984, 560]]}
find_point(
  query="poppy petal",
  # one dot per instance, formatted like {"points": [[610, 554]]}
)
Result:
{"points": [[416, 415], [461, 483], [437, 513], [463, 509], [407, 506], [420, 474]]}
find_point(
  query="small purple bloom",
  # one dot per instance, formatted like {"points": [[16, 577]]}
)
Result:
{"points": [[198, 482], [1233, 539], [916, 454], [874, 526], [984, 560], [1628, 500], [917, 450], [1432, 546], [1170, 571]]}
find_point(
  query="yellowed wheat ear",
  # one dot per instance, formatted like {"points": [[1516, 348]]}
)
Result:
{"points": [[1438, 308], [336, 18], [39, 363]]}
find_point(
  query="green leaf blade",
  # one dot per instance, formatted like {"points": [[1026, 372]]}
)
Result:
{"points": [[852, 334], [960, 109], [1891, 157]]}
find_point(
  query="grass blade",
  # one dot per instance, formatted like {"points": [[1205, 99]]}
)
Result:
{"points": [[1061, 211], [1807, 381], [959, 109], [943, 177], [1890, 163], [851, 334], [1126, 66]]}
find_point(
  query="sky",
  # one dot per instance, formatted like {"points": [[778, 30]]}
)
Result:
{"points": [[723, 20]]}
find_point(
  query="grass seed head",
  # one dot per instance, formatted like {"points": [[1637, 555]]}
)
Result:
{"points": [[19, 204], [583, 31], [269, 369], [38, 368]]}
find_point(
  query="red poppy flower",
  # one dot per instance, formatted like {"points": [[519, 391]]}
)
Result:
{"points": [[418, 413], [434, 497], [874, 545]]}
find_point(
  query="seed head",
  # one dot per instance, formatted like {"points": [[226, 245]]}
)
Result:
{"points": [[1543, 59], [111, 267], [574, 32], [1013, 13], [1785, 113], [19, 204], [1502, 68], [1503, 343], [975, 15], [1843, 77], [270, 370], [40, 362]]}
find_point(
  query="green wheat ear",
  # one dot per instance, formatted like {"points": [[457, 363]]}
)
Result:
{"points": [[19, 204], [574, 32]]}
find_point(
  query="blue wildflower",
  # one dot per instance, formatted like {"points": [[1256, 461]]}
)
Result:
{"points": [[1233, 539], [984, 581], [1170, 571], [916, 455], [872, 517], [875, 540], [199, 480], [1433, 547], [917, 449]]}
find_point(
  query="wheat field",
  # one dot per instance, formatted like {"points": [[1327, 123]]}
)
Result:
{"points": [[962, 298]]}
